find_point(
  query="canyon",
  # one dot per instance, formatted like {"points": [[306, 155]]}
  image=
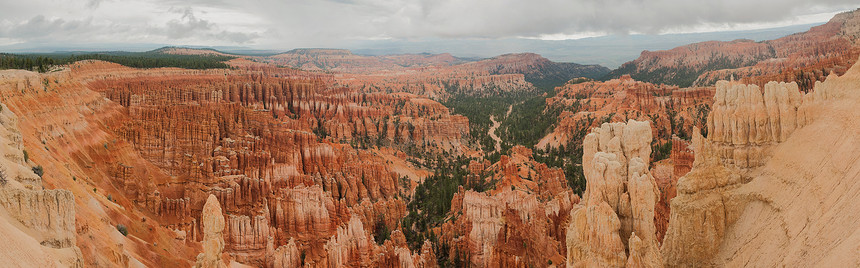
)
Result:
{"points": [[303, 170], [714, 154]]}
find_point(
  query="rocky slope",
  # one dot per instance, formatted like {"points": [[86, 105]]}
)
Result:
{"points": [[773, 180], [804, 57], [64, 129], [37, 224]]}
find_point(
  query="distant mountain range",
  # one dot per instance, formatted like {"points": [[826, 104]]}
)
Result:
{"points": [[609, 51]]}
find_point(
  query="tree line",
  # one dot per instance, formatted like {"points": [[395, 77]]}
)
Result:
{"points": [[49, 61]]}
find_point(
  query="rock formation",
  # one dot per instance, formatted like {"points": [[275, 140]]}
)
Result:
{"points": [[666, 173], [614, 225], [743, 126], [753, 192], [744, 122], [509, 228], [803, 58], [213, 235], [287, 156], [588, 104], [505, 73], [287, 256], [350, 246], [37, 224], [519, 218]]}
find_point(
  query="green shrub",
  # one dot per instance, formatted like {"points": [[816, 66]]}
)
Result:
{"points": [[39, 170], [122, 229], [382, 232]]}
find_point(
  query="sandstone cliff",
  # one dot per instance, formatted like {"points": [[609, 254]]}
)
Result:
{"points": [[803, 58], [37, 224], [771, 185]]}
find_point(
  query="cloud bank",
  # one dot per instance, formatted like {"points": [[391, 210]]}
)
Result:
{"points": [[281, 24]]}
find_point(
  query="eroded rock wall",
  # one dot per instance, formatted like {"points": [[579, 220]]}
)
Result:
{"points": [[38, 223], [749, 176]]}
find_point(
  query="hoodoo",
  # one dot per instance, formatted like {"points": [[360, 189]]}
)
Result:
{"points": [[213, 235], [356, 157], [614, 224]]}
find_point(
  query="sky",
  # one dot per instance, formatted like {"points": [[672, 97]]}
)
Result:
{"points": [[286, 24]]}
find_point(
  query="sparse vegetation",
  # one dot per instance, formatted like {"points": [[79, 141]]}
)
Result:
{"points": [[122, 229], [479, 110], [660, 151], [39, 170], [381, 232], [429, 206]]}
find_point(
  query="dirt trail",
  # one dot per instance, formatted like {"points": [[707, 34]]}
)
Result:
{"points": [[493, 135], [495, 126]]}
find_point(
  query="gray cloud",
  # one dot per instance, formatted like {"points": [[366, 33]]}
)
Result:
{"points": [[187, 25], [39, 27], [301, 23], [332, 21], [92, 4], [190, 26]]}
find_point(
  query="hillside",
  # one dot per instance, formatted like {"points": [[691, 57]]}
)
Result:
{"points": [[803, 57]]}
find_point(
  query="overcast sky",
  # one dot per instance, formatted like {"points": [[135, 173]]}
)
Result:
{"points": [[285, 24]]}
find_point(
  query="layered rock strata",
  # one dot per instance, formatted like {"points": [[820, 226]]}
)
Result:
{"points": [[753, 192], [37, 224]]}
